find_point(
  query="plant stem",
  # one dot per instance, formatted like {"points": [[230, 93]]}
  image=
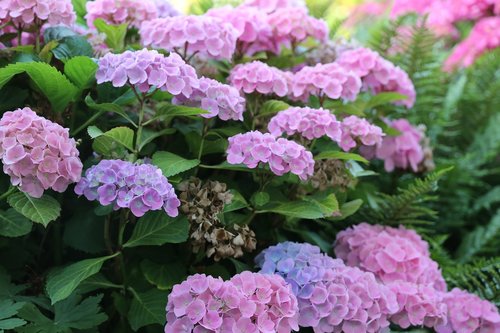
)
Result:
{"points": [[9, 192], [37, 38], [140, 125], [19, 35], [121, 258], [107, 238], [87, 123]]}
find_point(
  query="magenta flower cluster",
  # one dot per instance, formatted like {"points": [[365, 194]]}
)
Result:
{"points": [[403, 151], [36, 153], [378, 74], [325, 80], [187, 35], [26, 13], [259, 77], [331, 296], [249, 302], [309, 123], [358, 131], [282, 155], [217, 98], [146, 69], [419, 304], [467, 313], [132, 12], [139, 187], [391, 254]]}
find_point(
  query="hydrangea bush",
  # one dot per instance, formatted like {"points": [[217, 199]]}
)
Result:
{"points": [[249, 166]]}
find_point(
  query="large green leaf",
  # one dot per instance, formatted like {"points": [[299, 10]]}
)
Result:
{"points": [[165, 276], [109, 107], [147, 308], [40, 210], [238, 202], [157, 228], [271, 107], [52, 83], [385, 98], [81, 71], [339, 155], [63, 282], [347, 209], [328, 203], [8, 309], [108, 141], [13, 224], [72, 46], [171, 164], [299, 209], [115, 34]]}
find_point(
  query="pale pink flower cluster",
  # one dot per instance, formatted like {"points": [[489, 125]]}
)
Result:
{"points": [[36, 153], [249, 302], [187, 35], [282, 155], [403, 151], [259, 77], [467, 313], [132, 12], [485, 35], [418, 304], [309, 123], [145, 69], [219, 99], [378, 74], [292, 25], [391, 254], [358, 131], [165, 8], [270, 304], [331, 80], [30, 12], [269, 6]]}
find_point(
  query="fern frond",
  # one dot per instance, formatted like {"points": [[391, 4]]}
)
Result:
{"points": [[382, 39], [481, 278], [407, 206]]}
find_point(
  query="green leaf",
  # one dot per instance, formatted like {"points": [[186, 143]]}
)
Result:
{"points": [[227, 166], [54, 85], [240, 266], [171, 164], [260, 198], [164, 277], [339, 155], [79, 6], [167, 111], [115, 34], [72, 46], [328, 204], [63, 282], [106, 142], [299, 209], [149, 135], [238, 202], [13, 224], [347, 209], [40, 210], [81, 316], [81, 71], [384, 98], [9, 309], [108, 107], [271, 107], [147, 308], [157, 228]]}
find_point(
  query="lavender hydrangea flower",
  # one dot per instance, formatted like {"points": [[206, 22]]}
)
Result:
{"points": [[282, 155], [310, 123], [219, 99], [331, 296], [259, 77], [116, 12], [209, 36], [139, 187], [145, 69], [26, 13]]}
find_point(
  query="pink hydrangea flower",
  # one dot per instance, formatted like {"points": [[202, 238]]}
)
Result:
{"points": [[485, 35], [219, 99], [140, 187], [259, 77], [187, 35], [205, 304], [132, 12], [282, 155], [36, 153], [357, 130], [419, 305], [254, 31], [269, 6], [145, 69], [391, 254], [322, 80], [269, 306], [467, 313], [28, 12], [165, 8], [292, 25], [378, 74], [309, 123]]}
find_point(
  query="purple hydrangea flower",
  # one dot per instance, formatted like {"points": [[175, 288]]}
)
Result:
{"points": [[282, 155], [356, 131], [26, 13], [139, 187], [310, 123], [206, 35], [116, 12], [146, 69], [219, 99], [36, 153], [259, 77]]}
